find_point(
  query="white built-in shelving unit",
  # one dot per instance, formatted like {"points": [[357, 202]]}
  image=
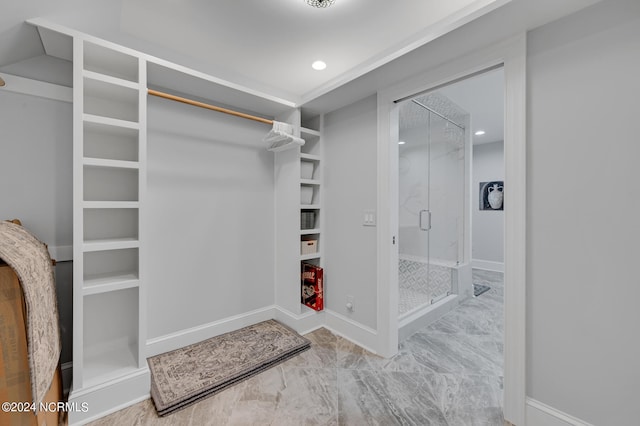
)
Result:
{"points": [[110, 84], [310, 157], [109, 113], [292, 180]]}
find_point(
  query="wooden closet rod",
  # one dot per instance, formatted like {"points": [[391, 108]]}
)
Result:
{"points": [[207, 106]]}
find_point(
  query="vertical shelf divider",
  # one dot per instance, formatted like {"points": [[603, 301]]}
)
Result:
{"points": [[142, 192], [78, 214]]}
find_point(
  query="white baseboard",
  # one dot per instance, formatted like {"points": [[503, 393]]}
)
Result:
{"points": [[540, 414], [302, 323], [426, 315], [487, 265], [338, 324], [182, 338], [351, 330], [106, 398]]}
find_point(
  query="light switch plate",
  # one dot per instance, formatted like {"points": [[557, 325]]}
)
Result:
{"points": [[369, 218]]}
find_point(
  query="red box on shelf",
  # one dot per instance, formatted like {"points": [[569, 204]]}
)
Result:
{"points": [[312, 286]]}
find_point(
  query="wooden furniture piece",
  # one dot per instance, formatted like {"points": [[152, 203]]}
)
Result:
{"points": [[15, 383]]}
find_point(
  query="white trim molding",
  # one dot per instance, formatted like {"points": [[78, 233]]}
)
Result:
{"points": [[511, 54], [182, 338], [487, 265], [515, 244], [540, 414], [303, 323], [95, 402], [338, 324], [361, 335], [41, 89]]}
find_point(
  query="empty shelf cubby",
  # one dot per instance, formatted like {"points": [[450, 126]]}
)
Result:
{"points": [[104, 267], [110, 184], [109, 62], [104, 99], [109, 224], [110, 347], [110, 142]]}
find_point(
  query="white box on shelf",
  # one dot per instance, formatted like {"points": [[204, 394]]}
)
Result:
{"points": [[306, 194], [306, 170], [308, 246]]}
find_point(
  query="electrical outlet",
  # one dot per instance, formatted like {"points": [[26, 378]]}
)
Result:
{"points": [[351, 306]]}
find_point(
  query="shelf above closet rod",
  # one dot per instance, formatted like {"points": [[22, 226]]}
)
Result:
{"points": [[207, 106]]}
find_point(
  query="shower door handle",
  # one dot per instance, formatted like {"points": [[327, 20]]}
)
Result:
{"points": [[422, 215]]}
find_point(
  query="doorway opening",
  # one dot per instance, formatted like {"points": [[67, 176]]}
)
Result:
{"points": [[443, 182]]}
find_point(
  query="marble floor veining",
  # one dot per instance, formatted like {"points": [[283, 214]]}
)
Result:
{"points": [[448, 373]]}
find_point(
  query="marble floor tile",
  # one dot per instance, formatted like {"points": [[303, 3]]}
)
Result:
{"points": [[448, 373], [456, 354], [472, 317], [387, 398], [322, 354]]}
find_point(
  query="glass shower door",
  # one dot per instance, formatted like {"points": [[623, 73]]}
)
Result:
{"points": [[431, 195], [414, 210], [446, 195]]}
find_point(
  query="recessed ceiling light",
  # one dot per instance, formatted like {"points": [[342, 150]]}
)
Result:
{"points": [[480, 133], [318, 65], [320, 3], [401, 142]]}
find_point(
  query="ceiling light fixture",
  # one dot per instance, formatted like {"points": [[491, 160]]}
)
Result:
{"points": [[480, 133], [401, 142], [318, 65], [320, 3]]}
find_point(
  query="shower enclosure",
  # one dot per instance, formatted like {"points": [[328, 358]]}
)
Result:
{"points": [[433, 270]]}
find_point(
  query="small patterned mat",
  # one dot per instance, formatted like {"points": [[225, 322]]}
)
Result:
{"points": [[478, 289], [182, 377]]}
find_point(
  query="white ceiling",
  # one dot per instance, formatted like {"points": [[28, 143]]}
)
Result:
{"points": [[482, 97], [273, 43], [268, 47], [264, 45]]}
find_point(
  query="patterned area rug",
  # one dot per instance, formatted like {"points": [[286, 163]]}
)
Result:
{"points": [[182, 377]]}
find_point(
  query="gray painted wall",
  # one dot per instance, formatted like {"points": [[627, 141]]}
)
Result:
{"points": [[36, 174], [350, 138], [487, 227], [210, 216], [583, 203]]}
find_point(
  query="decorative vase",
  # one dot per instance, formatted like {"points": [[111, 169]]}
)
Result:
{"points": [[495, 196]]}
